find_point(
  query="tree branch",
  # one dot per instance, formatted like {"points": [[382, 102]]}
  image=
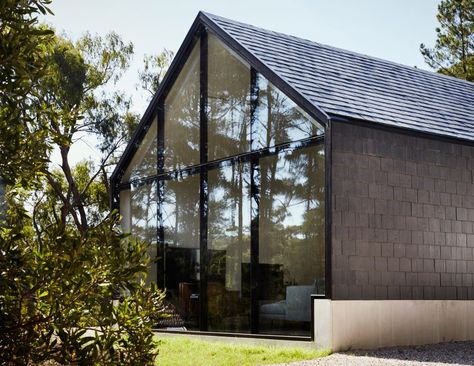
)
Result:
{"points": [[76, 196]]}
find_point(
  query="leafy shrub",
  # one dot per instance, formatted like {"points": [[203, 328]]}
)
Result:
{"points": [[56, 296]]}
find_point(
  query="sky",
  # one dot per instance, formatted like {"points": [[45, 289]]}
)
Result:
{"points": [[388, 29]]}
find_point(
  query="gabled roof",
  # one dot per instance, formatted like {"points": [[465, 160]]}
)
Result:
{"points": [[347, 84], [333, 83]]}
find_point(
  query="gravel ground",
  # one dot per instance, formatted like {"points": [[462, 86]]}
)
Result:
{"points": [[455, 353]]}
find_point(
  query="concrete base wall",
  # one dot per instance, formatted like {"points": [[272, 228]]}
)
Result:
{"points": [[358, 324]]}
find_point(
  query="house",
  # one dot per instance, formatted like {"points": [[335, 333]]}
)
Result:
{"points": [[298, 191]]}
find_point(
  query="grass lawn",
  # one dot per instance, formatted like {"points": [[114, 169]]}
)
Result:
{"points": [[184, 351]]}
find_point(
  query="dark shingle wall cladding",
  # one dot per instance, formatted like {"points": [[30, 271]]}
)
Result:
{"points": [[403, 214]]}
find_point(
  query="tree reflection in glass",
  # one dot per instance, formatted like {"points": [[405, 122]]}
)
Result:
{"points": [[181, 132], [144, 163], [287, 202], [229, 249], [279, 119], [143, 209], [229, 103], [180, 215], [291, 238]]}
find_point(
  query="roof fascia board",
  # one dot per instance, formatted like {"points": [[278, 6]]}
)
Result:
{"points": [[266, 71]]}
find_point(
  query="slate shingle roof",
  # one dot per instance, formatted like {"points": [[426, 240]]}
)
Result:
{"points": [[348, 84]]}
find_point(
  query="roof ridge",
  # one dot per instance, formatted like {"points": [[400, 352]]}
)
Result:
{"points": [[308, 41]]}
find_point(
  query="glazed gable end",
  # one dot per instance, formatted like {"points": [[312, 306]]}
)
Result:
{"points": [[203, 23]]}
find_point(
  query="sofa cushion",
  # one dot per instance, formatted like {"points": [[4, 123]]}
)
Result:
{"points": [[276, 310], [298, 300]]}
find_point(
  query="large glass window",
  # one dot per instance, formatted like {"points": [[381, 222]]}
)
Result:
{"points": [[291, 238], [279, 119], [182, 117], [229, 103], [228, 287], [182, 255], [143, 163], [125, 203], [240, 230], [143, 210]]}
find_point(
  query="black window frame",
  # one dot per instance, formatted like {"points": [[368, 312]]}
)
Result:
{"points": [[252, 157]]}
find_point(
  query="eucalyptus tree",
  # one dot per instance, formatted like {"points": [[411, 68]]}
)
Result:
{"points": [[24, 47], [62, 256]]}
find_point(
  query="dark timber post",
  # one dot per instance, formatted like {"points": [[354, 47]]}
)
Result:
{"points": [[254, 204], [328, 210], [203, 197], [161, 252]]}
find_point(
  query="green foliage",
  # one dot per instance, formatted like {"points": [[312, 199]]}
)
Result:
{"points": [[192, 352], [23, 48], [453, 53], [154, 69], [62, 258], [78, 88], [56, 295], [48, 209]]}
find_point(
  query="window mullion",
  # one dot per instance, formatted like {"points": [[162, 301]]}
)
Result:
{"points": [[161, 253], [204, 192], [254, 205]]}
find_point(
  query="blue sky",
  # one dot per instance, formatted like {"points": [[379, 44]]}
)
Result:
{"points": [[388, 29]]}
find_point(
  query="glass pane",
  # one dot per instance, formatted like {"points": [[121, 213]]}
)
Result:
{"points": [[144, 162], [182, 117], [125, 208], [229, 103], [279, 119], [229, 249], [291, 239], [180, 213], [144, 220]]}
